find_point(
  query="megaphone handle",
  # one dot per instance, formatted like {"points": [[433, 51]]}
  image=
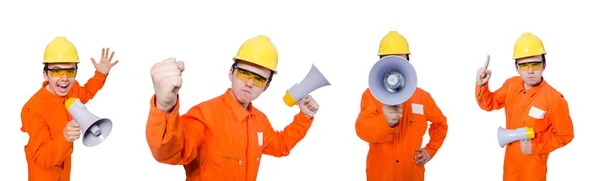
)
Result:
{"points": [[95, 130]]}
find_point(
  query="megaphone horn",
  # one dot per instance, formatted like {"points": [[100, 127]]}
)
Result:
{"points": [[95, 129], [508, 136], [313, 81], [392, 80]]}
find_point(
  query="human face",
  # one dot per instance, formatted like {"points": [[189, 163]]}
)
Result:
{"points": [[530, 69], [248, 81], [60, 77]]}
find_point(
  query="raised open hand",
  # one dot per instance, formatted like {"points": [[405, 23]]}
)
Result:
{"points": [[105, 63]]}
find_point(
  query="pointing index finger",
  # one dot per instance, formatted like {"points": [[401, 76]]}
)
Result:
{"points": [[487, 62]]}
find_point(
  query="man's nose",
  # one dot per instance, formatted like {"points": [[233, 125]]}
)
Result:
{"points": [[248, 83], [530, 70], [63, 77]]}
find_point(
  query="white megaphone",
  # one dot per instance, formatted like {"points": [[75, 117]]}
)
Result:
{"points": [[94, 129], [313, 80], [508, 136], [392, 80]]}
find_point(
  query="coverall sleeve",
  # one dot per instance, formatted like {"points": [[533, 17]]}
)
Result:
{"points": [[43, 149], [559, 132], [371, 125], [175, 139], [90, 88], [280, 143], [490, 101], [438, 128]]}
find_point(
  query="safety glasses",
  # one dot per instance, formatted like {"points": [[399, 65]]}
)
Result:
{"points": [[245, 75], [533, 65], [59, 72]]}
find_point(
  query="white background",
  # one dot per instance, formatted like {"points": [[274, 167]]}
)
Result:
{"points": [[449, 41]]}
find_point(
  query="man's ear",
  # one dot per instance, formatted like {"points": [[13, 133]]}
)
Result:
{"points": [[231, 74], [267, 86], [45, 75], [544, 66]]}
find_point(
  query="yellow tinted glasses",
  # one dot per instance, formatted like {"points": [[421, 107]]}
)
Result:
{"points": [[59, 72], [245, 75], [533, 65]]}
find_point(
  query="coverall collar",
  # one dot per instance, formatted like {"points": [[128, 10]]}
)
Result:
{"points": [[240, 113], [532, 91], [54, 98]]}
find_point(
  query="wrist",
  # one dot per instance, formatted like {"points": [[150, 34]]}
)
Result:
{"points": [[165, 107]]}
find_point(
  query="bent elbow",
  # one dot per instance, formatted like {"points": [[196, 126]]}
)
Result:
{"points": [[486, 108], [171, 159], [362, 136], [44, 163], [568, 139]]}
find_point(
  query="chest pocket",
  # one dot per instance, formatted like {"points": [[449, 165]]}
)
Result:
{"points": [[537, 118], [417, 120]]}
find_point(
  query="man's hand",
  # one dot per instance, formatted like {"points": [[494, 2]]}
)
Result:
{"points": [[526, 147], [71, 131], [166, 77], [308, 106], [105, 64], [423, 157], [483, 74], [392, 114]]}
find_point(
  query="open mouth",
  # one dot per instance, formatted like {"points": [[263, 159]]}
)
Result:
{"points": [[62, 87]]}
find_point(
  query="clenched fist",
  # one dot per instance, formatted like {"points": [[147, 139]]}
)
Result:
{"points": [[392, 113], [166, 77], [71, 131], [308, 106], [483, 74]]}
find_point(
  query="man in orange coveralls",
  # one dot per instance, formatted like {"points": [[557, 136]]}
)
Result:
{"points": [[529, 102], [44, 117], [395, 138], [222, 138]]}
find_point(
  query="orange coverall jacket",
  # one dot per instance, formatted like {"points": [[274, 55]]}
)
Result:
{"points": [[44, 116], [218, 139], [542, 108], [392, 149]]}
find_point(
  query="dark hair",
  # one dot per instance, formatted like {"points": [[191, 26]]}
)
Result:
{"points": [[407, 56], [46, 67]]}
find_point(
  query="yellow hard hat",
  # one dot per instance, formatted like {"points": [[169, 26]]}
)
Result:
{"points": [[393, 44], [528, 45], [60, 50], [259, 50]]}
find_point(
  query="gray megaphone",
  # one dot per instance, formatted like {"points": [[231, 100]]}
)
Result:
{"points": [[313, 80], [95, 130], [392, 80], [511, 135]]}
